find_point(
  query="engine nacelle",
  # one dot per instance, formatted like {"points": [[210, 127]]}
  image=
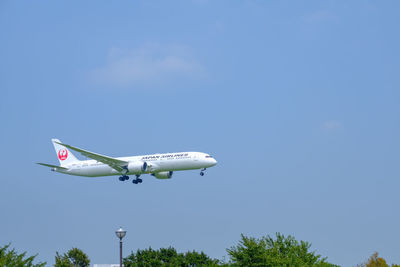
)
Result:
{"points": [[163, 175], [137, 167]]}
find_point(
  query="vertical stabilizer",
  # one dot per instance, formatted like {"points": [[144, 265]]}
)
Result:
{"points": [[64, 155]]}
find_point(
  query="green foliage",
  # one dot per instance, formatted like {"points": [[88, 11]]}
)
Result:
{"points": [[168, 257], [73, 258], [266, 252], [12, 258], [282, 251], [62, 261]]}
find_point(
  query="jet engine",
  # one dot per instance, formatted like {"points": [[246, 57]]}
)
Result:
{"points": [[137, 167], [163, 175]]}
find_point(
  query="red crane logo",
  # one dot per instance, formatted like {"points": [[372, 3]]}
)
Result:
{"points": [[62, 154]]}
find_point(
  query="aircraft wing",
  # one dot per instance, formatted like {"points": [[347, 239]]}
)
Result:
{"points": [[52, 166], [114, 163]]}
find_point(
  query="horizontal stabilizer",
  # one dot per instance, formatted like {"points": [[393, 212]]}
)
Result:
{"points": [[52, 166]]}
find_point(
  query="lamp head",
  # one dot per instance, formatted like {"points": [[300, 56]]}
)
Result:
{"points": [[120, 233]]}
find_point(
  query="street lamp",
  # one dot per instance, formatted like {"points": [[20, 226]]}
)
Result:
{"points": [[120, 234]]}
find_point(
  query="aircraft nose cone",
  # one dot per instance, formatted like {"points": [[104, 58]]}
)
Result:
{"points": [[214, 162]]}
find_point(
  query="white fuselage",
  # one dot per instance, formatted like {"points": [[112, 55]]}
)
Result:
{"points": [[155, 163]]}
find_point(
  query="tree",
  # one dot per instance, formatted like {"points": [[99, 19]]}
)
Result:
{"points": [[376, 261], [193, 258], [12, 258], [73, 258], [267, 251], [168, 257]]}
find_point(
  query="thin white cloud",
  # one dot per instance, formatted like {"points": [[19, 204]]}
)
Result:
{"points": [[332, 125], [148, 65]]}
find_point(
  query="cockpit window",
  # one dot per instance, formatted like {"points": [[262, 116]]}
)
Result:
{"points": [[208, 156]]}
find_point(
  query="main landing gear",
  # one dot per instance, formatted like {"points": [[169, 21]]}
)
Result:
{"points": [[202, 172], [124, 178], [135, 181]]}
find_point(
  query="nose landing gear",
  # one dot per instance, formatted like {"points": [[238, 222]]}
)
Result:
{"points": [[202, 172]]}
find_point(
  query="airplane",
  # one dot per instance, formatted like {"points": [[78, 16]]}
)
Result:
{"points": [[160, 166]]}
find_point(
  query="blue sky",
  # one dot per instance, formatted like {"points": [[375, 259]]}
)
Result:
{"points": [[298, 102]]}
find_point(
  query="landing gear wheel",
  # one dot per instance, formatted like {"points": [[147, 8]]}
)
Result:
{"points": [[124, 178], [139, 180], [134, 181], [201, 173]]}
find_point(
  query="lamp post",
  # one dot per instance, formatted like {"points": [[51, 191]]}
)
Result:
{"points": [[120, 234]]}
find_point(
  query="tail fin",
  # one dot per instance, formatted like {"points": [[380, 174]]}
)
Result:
{"points": [[64, 155]]}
